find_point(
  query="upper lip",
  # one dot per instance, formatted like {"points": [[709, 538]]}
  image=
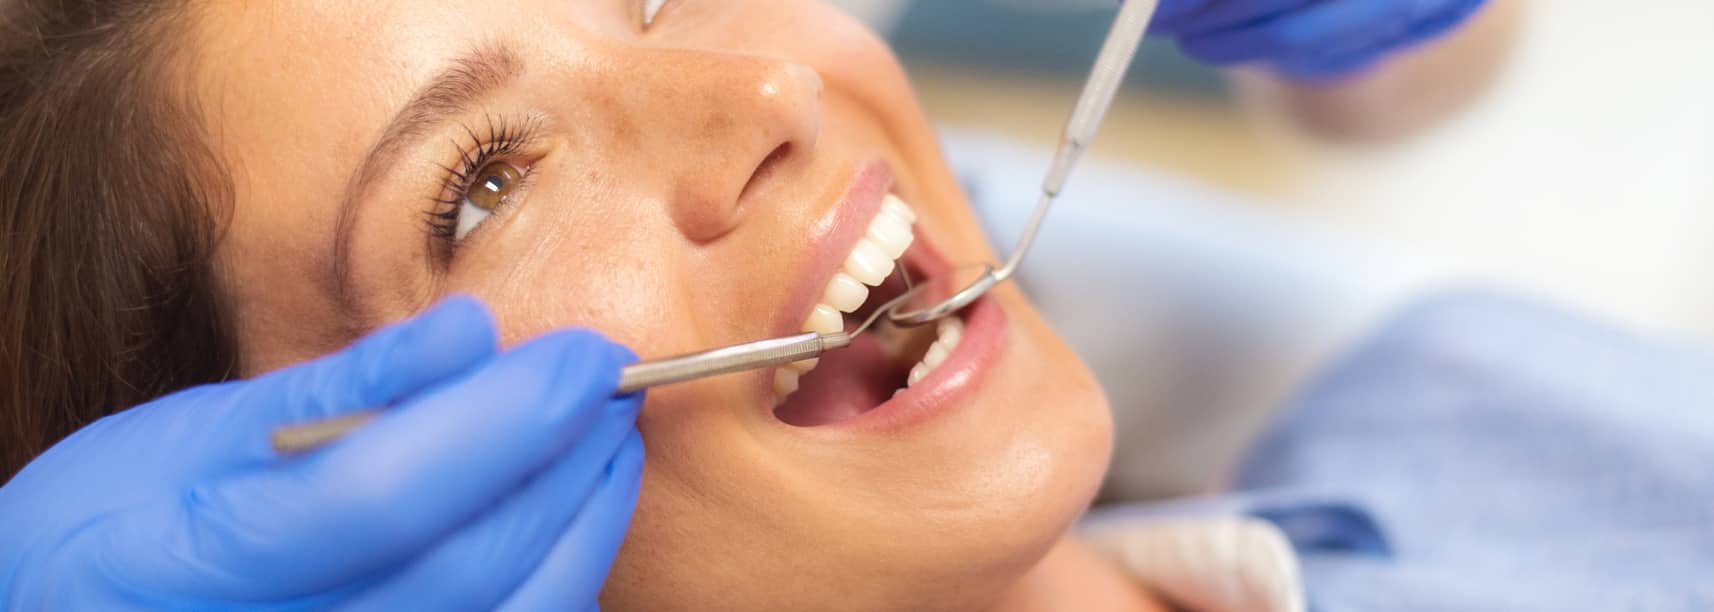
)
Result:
{"points": [[839, 230]]}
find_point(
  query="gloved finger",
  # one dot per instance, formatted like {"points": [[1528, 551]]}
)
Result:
{"points": [[450, 338], [1202, 17], [1441, 16], [1332, 23], [1339, 58], [508, 542], [1170, 14], [1321, 68], [234, 421], [1357, 52], [389, 490], [572, 574]]}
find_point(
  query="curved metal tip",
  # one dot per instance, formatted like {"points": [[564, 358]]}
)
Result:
{"points": [[885, 309], [967, 292]]}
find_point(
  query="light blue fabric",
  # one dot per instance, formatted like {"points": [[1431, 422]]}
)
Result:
{"points": [[1474, 453], [1199, 312], [1484, 453]]}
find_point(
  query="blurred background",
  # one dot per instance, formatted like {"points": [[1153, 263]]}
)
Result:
{"points": [[1584, 176]]}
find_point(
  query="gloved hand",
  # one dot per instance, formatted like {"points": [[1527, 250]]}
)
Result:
{"points": [[499, 480], [1306, 39]]}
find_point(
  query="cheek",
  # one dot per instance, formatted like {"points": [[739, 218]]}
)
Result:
{"points": [[542, 270]]}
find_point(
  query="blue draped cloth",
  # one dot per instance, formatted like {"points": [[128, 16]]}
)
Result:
{"points": [[1481, 452]]}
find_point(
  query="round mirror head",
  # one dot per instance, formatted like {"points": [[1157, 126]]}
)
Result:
{"points": [[942, 295]]}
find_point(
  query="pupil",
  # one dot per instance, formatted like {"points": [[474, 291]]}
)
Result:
{"points": [[494, 183]]}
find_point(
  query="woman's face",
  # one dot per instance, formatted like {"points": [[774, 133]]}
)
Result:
{"points": [[693, 183]]}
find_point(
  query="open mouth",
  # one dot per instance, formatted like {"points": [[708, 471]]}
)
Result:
{"points": [[882, 362]]}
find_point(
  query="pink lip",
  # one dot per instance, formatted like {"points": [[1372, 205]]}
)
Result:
{"points": [[833, 238], [951, 384], [984, 321]]}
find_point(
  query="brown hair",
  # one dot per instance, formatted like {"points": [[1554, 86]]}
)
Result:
{"points": [[108, 219]]}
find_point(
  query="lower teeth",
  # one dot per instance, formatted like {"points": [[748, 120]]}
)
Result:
{"points": [[948, 332]]}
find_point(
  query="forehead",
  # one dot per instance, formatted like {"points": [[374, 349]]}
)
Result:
{"points": [[281, 71], [327, 74]]}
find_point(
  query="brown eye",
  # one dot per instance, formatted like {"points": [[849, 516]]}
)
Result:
{"points": [[493, 184]]}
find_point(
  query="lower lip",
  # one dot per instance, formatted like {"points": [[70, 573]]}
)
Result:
{"points": [[950, 385], [834, 236]]}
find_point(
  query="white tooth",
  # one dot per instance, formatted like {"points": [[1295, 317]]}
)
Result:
{"points": [[900, 213], [899, 207], [844, 293], [868, 263], [917, 373], [803, 367], [890, 233], [937, 353], [785, 381], [824, 320], [949, 331]]}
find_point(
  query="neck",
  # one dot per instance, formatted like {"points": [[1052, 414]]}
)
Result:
{"points": [[1072, 577]]}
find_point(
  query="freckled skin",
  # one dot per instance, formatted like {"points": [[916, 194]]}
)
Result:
{"points": [[643, 216]]}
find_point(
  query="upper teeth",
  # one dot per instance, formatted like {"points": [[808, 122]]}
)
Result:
{"points": [[871, 260]]}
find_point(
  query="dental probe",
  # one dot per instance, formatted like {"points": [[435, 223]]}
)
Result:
{"points": [[967, 283], [632, 378]]}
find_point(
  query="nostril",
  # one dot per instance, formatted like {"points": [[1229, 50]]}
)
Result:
{"points": [[766, 167]]}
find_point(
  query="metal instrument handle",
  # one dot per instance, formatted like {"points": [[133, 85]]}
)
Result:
{"points": [[1108, 74], [727, 359], [635, 377]]}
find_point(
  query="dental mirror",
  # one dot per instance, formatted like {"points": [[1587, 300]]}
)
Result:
{"points": [[943, 295]]}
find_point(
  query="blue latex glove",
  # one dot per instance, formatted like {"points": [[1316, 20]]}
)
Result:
{"points": [[1306, 39], [499, 480]]}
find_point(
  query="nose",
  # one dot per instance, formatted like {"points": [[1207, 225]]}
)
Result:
{"points": [[712, 126]]}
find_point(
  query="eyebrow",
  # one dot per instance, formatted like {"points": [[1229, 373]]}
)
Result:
{"points": [[454, 91]]}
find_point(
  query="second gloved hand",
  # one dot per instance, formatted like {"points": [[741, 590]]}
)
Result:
{"points": [[1306, 39], [498, 481]]}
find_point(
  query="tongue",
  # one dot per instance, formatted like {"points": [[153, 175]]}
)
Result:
{"points": [[847, 382]]}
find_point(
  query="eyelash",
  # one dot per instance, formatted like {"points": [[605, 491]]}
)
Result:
{"points": [[504, 138]]}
